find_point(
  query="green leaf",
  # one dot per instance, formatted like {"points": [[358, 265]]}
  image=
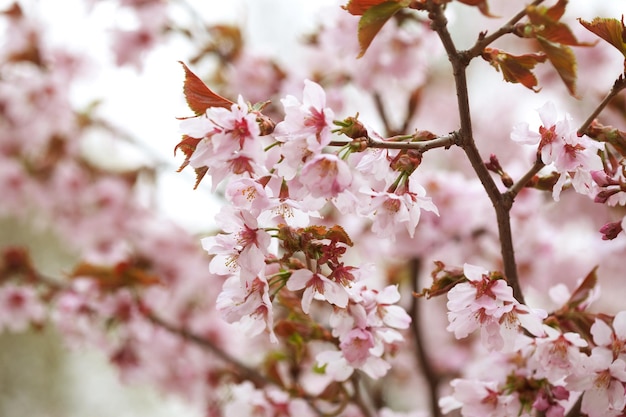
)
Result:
{"points": [[374, 19], [611, 30], [564, 61]]}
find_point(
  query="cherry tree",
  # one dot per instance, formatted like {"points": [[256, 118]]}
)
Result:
{"points": [[417, 219]]}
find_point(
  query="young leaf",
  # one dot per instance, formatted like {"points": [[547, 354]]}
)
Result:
{"points": [[481, 4], [515, 69], [546, 24], [563, 59], [373, 20], [200, 97], [359, 7], [611, 30], [582, 293], [188, 146], [123, 274]]}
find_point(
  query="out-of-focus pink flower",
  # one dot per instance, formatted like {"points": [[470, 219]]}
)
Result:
{"points": [[19, 307], [480, 399]]}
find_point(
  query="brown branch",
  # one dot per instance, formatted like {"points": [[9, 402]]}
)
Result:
{"points": [[575, 410], [459, 63], [440, 142], [432, 378], [244, 371], [618, 86], [358, 397], [380, 108], [509, 27], [512, 192]]}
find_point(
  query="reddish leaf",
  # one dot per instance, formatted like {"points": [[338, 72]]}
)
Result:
{"points": [[200, 173], [359, 7], [124, 274], [339, 234], [539, 14], [373, 20], [583, 291], [481, 4], [611, 30], [546, 25], [563, 59], [557, 11], [515, 69], [200, 97]]}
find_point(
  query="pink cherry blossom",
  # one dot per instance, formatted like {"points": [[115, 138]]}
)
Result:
{"points": [[248, 305], [560, 147], [602, 379], [480, 399], [306, 129], [557, 354], [325, 176], [488, 304], [19, 307], [317, 286], [242, 248], [403, 207]]}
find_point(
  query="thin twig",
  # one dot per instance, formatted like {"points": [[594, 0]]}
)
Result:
{"points": [[483, 40], [440, 142], [512, 192], [246, 372], [575, 410], [459, 64], [358, 397], [380, 108], [619, 85], [432, 378]]}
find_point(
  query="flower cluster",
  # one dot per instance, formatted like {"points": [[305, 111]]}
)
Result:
{"points": [[574, 157], [303, 305]]}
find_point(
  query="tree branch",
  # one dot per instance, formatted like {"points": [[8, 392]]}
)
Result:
{"points": [[512, 192], [459, 64], [244, 371], [619, 85], [380, 108], [432, 378], [440, 142], [484, 40]]}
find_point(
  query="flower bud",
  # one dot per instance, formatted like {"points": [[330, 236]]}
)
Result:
{"points": [[351, 127], [611, 230]]}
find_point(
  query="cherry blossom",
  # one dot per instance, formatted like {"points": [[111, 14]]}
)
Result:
{"points": [[488, 304], [20, 307], [560, 146], [480, 399], [325, 176], [402, 207], [317, 286], [306, 128], [248, 305], [242, 248]]}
